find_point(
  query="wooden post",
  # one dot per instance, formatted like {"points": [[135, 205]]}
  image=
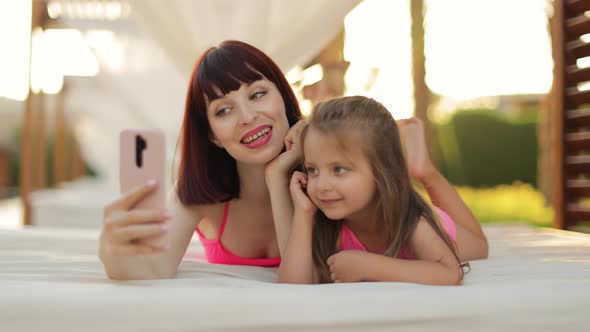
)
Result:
{"points": [[78, 166], [60, 143], [27, 160], [39, 142], [421, 90], [557, 115], [334, 67]]}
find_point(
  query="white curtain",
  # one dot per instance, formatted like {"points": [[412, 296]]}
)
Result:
{"points": [[158, 46]]}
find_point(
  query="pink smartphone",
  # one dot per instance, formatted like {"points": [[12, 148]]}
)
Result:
{"points": [[143, 158]]}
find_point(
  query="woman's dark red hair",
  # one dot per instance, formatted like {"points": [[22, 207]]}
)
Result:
{"points": [[207, 173]]}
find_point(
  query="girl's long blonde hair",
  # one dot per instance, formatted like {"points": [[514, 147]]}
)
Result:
{"points": [[398, 206]]}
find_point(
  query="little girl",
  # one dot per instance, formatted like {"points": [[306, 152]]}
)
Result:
{"points": [[357, 216]]}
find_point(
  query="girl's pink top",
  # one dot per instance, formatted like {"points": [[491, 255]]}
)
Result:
{"points": [[349, 241], [217, 254]]}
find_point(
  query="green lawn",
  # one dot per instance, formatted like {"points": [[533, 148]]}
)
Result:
{"points": [[516, 203]]}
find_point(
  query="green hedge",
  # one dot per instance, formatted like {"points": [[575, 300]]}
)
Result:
{"points": [[483, 148]]}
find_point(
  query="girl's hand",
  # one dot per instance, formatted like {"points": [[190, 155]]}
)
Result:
{"points": [[347, 265], [301, 201], [285, 162], [128, 231]]}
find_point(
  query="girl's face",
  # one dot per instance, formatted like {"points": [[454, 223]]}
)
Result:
{"points": [[250, 123], [340, 183]]}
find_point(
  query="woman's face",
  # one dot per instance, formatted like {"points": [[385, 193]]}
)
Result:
{"points": [[249, 123]]}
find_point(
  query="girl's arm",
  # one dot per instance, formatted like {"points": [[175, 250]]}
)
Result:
{"points": [[145, 244], [434, 262], [297, 265]]}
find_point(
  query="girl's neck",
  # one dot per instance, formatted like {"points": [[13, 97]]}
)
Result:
{"points": [[369, 232], [364, 222], [252, 182]]}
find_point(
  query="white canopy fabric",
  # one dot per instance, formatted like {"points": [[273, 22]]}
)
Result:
{"points": [[157, 48]]}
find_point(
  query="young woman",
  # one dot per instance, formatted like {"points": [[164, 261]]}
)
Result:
{"points": [[238, 149]]}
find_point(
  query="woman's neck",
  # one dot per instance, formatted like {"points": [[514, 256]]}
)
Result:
{"points": [[252, 182]]}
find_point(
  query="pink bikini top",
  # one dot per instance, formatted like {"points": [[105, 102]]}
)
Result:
{"points": [[217, 254], [349, 241]]}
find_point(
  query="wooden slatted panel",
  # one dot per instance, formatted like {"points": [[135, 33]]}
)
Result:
{"points": [[578, 26], [578, 49], [578, 212], [577, 7], [578, 118], [573, 141], [577, 97], [577, 142], [576, 75], [575, 137], [577, 165], [579, 188]]}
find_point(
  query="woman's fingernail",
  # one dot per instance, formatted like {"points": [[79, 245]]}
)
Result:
{"points": [[150, 183]]}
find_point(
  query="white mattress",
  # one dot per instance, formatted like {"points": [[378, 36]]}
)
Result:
{"points": [[52, 280]]}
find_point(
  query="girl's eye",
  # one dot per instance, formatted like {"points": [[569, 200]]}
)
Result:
{"points": [[222, 111], [339, 170], [257, 95], [311, 171]]}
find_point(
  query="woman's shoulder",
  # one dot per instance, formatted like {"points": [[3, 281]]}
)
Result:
{"points": [[196, 211]]}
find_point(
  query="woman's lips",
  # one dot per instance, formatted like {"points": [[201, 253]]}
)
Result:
{"points": [[260, 141], [254, 131]]}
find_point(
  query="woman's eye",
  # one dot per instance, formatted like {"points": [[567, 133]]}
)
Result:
{"points": [[257, 95], [222, 111]]}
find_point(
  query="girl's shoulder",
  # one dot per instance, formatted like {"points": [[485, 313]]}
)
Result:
{"points": [[447, 222]]}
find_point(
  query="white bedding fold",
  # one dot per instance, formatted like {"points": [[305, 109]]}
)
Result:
{"points": [[52, 280]]}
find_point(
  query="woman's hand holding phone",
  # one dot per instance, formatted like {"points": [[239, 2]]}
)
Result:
{"points": [[135, 223], [129, 231]]}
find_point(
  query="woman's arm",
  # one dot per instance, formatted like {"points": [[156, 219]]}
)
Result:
{"points": [[297, 264], [138, 244], [282, 207], [278, 174]]}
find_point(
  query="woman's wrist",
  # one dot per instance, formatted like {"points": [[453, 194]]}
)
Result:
{"points": [[276, 179], [274, 174]]}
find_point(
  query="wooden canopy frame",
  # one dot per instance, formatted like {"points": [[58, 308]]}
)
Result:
{"points": [[570, 107]]}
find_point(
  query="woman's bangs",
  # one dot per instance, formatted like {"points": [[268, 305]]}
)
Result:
{"points": [[223, 73]]}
